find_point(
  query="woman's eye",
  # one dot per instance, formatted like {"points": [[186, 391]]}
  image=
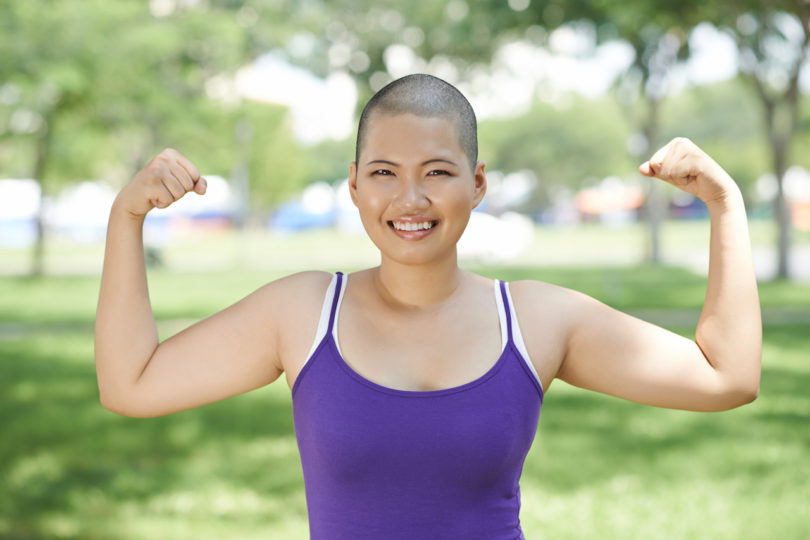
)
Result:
{"points": [[381, 172], [439, 172]]}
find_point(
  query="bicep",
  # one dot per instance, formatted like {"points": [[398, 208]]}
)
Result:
{"points": [[236, 350], [617, 354], [226, 354]]}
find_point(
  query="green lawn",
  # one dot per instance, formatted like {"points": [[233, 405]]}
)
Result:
{"points": [[600, 467]]}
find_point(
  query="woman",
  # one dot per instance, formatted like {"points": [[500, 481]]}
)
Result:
{"points": [[416, 386]]}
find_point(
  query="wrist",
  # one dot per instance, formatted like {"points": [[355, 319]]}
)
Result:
{"points": [[730, 200], [120, 212]]}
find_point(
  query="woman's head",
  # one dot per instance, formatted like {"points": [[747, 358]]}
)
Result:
{"points": [[416, 178], [425, 96]]}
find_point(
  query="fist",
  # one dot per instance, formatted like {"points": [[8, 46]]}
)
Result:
{"points": [[163, 181], [681, 163]]}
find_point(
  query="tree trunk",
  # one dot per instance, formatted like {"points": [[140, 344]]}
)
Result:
{"points": [[655, 207], [781, 114], [782, 122], [781, 209], [43, 148], [240, 174]]}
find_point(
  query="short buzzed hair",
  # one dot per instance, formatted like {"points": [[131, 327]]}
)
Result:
{"points": [[424, 95]]}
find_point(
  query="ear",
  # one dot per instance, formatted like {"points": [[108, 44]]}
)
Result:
{"points": [[353, 181], [480, 178]]}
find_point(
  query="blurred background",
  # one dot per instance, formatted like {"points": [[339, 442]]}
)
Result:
{"points": [[263, 96]]}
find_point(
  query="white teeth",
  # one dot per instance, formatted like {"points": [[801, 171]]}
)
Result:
{"points": [[412, 226]]}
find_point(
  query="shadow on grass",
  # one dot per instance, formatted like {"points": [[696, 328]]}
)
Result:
{"points": [[71, 468], [586, 438], [63, 455]]}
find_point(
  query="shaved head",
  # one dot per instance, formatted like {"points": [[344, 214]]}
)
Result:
{"points": [[427, 96]]}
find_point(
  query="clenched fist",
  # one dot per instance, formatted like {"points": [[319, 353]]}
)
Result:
{"points": [[681, 163], [163, 181]]}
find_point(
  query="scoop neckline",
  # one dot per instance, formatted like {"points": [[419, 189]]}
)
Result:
{"points": [[332, 334], [357, 376]]}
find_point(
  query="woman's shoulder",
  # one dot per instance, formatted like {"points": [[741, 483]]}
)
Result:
{"points": [[290, 307], [542, 302], [305, 279], [298, 292], [534, 289]]}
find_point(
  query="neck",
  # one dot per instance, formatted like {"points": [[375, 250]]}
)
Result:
{"points": [[417, 286]]}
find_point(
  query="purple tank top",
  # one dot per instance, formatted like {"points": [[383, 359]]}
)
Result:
{"points": [[381, 463]]}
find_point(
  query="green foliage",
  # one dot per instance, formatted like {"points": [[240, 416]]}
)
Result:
{"points": [[113, 84], [329, 160], [277, 164], [724, 119], [560, 145]]}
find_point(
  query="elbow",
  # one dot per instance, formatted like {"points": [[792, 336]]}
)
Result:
{"points": [[119, 403], [112, 403], [747, 388], [746, 395], [739, 395], [738, 377], [750, 394]]}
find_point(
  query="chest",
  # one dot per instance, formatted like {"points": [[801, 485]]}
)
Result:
{"points": [[429, 351], [473, 434]]}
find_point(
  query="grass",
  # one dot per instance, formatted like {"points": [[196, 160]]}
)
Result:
{"points": [[600, 467]]}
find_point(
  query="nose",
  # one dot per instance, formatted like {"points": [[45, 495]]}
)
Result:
{"points": [[412, 194]]}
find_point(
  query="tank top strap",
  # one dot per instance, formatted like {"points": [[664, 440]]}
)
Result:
{"points": [[514, 336], [326, 322], [507, 311], [335, 300]]}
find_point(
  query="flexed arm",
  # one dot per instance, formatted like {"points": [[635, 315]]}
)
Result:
{"points": [[126, 335], [729, 331], [231, 352], [617, 354]]}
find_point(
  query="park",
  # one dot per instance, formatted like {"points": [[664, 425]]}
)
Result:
{"points": [[263, 96]]}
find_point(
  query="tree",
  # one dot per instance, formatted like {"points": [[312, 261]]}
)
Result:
{"points": [[97, 83], [772, 39], [658, 33], [561, 146]]}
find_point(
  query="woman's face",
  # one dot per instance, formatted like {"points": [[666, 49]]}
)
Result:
{"points": [[414, 188]]}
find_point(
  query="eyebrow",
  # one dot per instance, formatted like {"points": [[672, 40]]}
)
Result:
{"points": [[428, 162]]}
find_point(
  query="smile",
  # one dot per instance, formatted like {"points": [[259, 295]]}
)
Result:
{"points": [[421, 226]]}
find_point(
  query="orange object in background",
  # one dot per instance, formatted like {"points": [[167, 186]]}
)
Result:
{"points": [[800, 212]]}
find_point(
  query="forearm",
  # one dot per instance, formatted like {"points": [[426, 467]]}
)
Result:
{"points": [[729, 330], [126, 336]]}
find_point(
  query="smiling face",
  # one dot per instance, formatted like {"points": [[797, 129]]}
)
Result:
{"points": [[414, 188]]}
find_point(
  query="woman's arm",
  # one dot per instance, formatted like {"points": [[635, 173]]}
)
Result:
{"points": [[231, 352], [614, 353]]}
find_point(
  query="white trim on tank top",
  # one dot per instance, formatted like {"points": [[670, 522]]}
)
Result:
{"points": [[517, 337], [323, 322], [337, 312], [501, 315]]}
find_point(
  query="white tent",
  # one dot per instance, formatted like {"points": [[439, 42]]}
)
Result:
{"points": [[19, 205]]}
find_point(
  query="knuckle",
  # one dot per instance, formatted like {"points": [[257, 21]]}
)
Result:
{"points": [[683, 141], [154, 175]]}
